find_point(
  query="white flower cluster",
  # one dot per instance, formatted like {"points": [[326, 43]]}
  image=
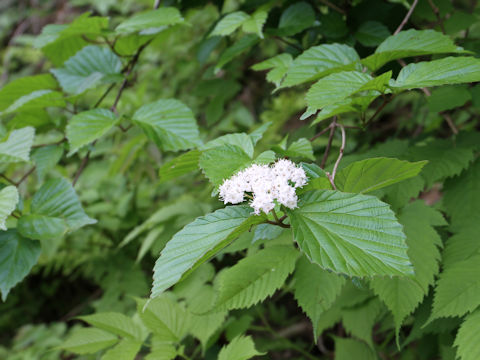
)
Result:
{"points": [[266, 184]]}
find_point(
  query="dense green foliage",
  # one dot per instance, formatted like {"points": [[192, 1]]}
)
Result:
{"points": [[120, 120]]}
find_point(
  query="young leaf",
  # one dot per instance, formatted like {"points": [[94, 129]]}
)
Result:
{"points": [[334, 88], [115, 323], [181, 165], [468, 337], [150, 22], [125, 350], [88, 341], [357, 235], [451, 70], [198, 241], [454, 297], [372, 174], [255, 277], [17, 147], [319, 61], [17, 257], [229, 23], [301, 148], [88, 68], [410, 43], [279, 66], [255, 23], [240, 348], [88, 126], [8, 203], [169, 124], [315, 289]]}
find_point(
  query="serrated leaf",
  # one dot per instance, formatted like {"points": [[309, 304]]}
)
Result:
{"points": [[410, 43], [45, 159], [353, 234], [315, 289], [402, 295], [236, 49], [257, 134], [17, 147], [345, 348], [468, 337], [462, 245], [301, 148], [115, 323], [55, 206], [163, 351], [296, 18], [179, 166], [319, 61], [229, 23], [17, 257], [88, 341], [451, 70], [167, 319], [125, 350], [255, 23], [454, 297], [30, 92], [222, 162], [359, 321], [240, 348], [88, 68], [88, 126], [334, 88], [242, 140], [372, 33], [279, 66], [254, 278], [169, 123], [375, 173], [150, 22], [197, 242], [8, 203]]}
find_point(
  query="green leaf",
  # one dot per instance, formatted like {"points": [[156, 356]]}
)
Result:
{"points": [[88, 341], [266, 232], [254, 278], [179, 166], [8, 203], [255, 23], [315, 289], [279, 66], [334, 88], [125, 350], [301, 148], [240, 348], [88, 68], [462, 245], [319, 61], [346, 348], [115, 323], [55, 207], [372, 33], [359, 321], [296, 18], [45, 159], [236, 49], [229, 23], [222, 162], [454, 297], [402, 295], [169, 124], [198, 241], [17, 147], [165, 317], [17, 257], [353, 234], [163, 351], [447, 98], [410, 43], [242, 140], [88, 126], [150, 22], [468, 337], [30, 92], [451, 70], [372, 174]]}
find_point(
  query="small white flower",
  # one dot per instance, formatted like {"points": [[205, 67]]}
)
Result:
{"points": [[267, 184]]}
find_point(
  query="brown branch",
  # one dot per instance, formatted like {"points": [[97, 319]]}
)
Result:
{"points": [[333, 6], [82, 166], [24, 177], [331, 177], [97, 104], [286, 226], [437, 14], [386, 100], [405, 19], [55, 143], [288, 43], [314, 137], [329, 144]]}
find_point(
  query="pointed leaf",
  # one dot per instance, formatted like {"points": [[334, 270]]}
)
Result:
{"points": [[229, 23], [296, 18], [279, 66], [198, 241], [150, 22], [372, 33], [255, 23], [115, 323], [468, 337], [236, 49], [345, 348], [17, 147], [88, 341], [357, 235], [169, 124], [181, 165], [125, 350], [240, 348], [8, 203]]}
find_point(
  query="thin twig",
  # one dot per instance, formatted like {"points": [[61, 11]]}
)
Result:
{"points": [[286, 226], [8, 179], [24, 177], [437, 14], [331, 177], [97, 104], [288, 43], [405, 19], [329, 144], [386, 100], [333, 6], [55, 143], [329, 127], [82, 167]]}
